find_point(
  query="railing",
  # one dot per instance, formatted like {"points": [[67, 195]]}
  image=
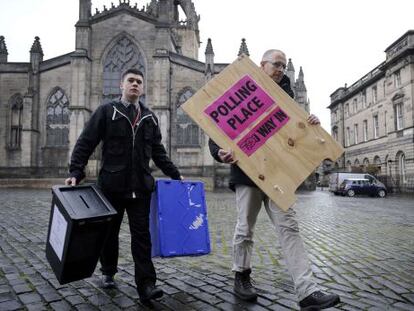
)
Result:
{"points": [[395, 184]]}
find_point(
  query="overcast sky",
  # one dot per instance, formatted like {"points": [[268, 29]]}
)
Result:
{"points": [[335, 42]]}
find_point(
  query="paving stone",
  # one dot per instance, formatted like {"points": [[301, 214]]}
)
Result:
{"points": [[29, 298], [99, 299], [37, 307], [61, 306], [10, 305], [6, 296], [225, 306], [124, 301], [403, 306], [74, 300], [21, 288]]}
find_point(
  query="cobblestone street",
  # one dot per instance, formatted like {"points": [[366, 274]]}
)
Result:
{"points": [[361, 248]]}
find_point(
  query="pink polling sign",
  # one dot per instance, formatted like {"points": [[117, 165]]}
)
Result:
{"points": [[263, 131], [239, 107]]}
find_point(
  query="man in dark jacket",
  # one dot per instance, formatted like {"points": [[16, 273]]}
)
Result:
{"points": [[131, 137], [249, 199]]}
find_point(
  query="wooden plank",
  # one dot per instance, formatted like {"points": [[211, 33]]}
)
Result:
{"points": [[245, 110]]}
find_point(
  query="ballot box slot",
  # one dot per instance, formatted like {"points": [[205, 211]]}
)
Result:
{"points": [[83, 200]]}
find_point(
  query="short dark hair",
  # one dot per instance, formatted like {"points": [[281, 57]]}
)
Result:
{"points": [[133, 71]]}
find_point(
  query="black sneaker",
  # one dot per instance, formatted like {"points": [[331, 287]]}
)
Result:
{"points": [[108, 281], [243, 287], [318, 300]]}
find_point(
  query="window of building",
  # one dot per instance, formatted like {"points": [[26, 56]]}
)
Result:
{"points": [[188, 133], [377, 162], [364, 99], [397, 78], [354, 106], [365, 130], [349, 166], [347, 136], [384, 83], [374, 94], [123, 55], [335, 133], [355, 133], [16, 121], [57, 119], [346, 110], [375, 126], [402, 167], [399, 116]]}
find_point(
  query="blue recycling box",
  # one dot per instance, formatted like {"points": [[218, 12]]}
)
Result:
{"points": [[178, 219]]}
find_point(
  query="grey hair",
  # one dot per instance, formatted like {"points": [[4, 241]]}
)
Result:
{"points": [[267, 56]]}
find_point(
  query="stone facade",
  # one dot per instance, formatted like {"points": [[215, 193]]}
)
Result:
{"points": [[374, 118], [44, 104]]}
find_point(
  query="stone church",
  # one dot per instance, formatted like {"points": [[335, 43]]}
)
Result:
{"points": [[44, 104]]}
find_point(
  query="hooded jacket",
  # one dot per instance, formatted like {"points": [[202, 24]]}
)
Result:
{"points": [[126, 150], [237, 176]]}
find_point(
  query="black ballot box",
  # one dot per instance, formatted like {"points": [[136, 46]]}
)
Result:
{"points": [[80, 218]]}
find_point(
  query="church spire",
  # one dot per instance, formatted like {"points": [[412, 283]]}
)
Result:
{"points": [[209, 47], [300, 82], [243, 48], [290, 65], [209, 70], [290, 71], [36, 47], [36, 55], [3, 50]]}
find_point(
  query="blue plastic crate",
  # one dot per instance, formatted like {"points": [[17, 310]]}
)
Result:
{"points": [[178, 220]]}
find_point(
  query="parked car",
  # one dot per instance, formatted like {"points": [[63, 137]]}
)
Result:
{"points": [[336, 179], [353, 186]]}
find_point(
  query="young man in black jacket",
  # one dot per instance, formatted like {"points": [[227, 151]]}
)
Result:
{"points": [[131, 137], [249, 199]]}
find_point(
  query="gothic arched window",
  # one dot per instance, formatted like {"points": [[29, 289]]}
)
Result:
{"points": [[188, 133], [57, 119], [123, 55], [16, 121]]}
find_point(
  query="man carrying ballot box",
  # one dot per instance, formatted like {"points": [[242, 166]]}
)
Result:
{"points": [[249, 199], [131, 138]]}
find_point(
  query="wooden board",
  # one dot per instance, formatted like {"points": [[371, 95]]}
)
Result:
{"points": [[243, 109]]}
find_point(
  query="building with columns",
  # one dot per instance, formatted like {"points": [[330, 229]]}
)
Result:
{"points": [[44, 104], [374, 118]]}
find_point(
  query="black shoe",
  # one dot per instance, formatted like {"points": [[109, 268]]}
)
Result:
{"points": [[243, 287], [149, 292], [318, 300], [108, 281]]}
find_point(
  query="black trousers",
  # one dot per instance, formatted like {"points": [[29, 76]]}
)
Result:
{"points": [[138, 217]]}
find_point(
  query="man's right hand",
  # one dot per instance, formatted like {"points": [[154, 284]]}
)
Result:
{"points": [[71, 181], [227, 156]]}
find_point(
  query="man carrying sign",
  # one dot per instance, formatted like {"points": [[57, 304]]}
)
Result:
{"points": [[249, 200]]}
